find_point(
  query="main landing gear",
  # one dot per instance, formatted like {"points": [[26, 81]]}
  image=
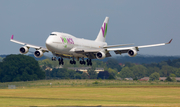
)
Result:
{"points": [[82, 62], [72, 62], [61, 62], [89, 62]]}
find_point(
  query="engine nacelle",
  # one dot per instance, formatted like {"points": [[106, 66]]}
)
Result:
{"points": [[38, 53], [100, 55], [24, 50], [132, 53]]}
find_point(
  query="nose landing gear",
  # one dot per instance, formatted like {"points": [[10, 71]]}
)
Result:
{"points": [[53, 59]]}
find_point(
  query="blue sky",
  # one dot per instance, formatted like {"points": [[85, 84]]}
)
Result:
{"points": [[141, 22]]}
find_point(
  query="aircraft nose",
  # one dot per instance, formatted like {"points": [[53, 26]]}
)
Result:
{"points": [[48, 43]]}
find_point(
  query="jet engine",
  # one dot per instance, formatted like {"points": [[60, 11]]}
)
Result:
{"points": [[38, 53], [100, 55], [24, 50], [132, 53]]}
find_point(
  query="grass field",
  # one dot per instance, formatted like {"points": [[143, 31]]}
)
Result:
{"points": [[85, 93]]}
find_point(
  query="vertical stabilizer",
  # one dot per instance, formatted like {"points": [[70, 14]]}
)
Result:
{"points": [[102, 33]]}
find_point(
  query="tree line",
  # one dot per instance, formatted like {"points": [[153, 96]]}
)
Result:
{"points": [[164, 69], [131, 70], [26, 68]]}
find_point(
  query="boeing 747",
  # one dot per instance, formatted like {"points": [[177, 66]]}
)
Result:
{"points": [[63, 45]]}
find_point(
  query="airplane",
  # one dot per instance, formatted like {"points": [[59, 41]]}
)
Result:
{"points": [[63, 45]]}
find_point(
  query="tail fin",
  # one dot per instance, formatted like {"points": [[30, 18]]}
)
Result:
{"points": [[102, 33]]}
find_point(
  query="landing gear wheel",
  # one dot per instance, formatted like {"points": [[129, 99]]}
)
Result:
{"points": [[72, 62], [89, 62], [82, 62], [60, 61]]}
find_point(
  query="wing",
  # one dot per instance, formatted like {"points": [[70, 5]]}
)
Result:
{"points": [[135, 48], [110, 46], [28, 45]]}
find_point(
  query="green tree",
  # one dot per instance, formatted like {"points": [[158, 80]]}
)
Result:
{"points": [[71, 74], [163, 63], [1, 69], [172, 75], [113, 72], [62, 73], [129, 64], [126, 72], [99, 64], [168, 79], [177, 64], [77, 76], [20, 68], [1, 59], [111, 77], [92, 73], [113, 63], [177, 72], [154, 76], [151, 70], [139, 71], [46, 62], [84, 76], [166, 71]]}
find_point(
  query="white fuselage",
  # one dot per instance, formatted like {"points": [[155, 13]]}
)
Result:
{"points": [[63, 44]]}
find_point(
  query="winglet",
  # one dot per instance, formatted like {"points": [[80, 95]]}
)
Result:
{"points": [[12, 36], [169, 41]]}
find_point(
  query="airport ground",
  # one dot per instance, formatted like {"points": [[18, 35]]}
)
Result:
{"points": [[90, 93]]}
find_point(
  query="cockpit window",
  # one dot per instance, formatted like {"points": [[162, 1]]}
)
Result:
{"points": [[53, 34]]}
